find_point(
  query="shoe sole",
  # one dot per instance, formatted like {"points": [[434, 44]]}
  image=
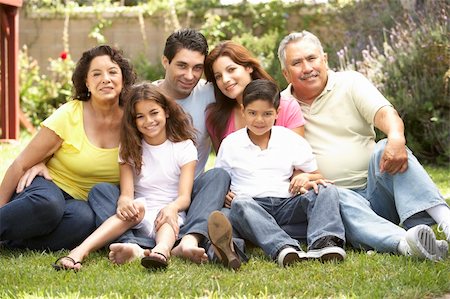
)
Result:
{"points": [[291, 258], [422, 242], [333, 253], [152, 263], [220, 234]]}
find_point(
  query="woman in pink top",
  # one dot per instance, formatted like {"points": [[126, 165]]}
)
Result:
{"points": [[230, 67]]}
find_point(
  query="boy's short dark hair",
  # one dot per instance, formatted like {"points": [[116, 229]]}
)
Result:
{"points": [[187, 38], [261, 89]]}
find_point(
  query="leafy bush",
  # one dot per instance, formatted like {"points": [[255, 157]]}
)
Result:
{"points": [[258, 27], [413, 71], [147, 71], [40, 95]]}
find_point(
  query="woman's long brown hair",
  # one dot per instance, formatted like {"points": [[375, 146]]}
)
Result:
{"points": [[219, 113]]}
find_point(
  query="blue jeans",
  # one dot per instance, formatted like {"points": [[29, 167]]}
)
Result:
{"points": [[104, 204], [372, 215], [208, 194], [45, 217], [259, 219]]}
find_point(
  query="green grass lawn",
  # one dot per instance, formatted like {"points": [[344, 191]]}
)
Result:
{"points": [[28, 274]]}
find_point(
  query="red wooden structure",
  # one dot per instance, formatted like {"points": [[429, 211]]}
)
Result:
{"points": [[9, 88]]}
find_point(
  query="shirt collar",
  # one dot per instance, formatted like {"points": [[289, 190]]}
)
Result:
{"points": [[246, 141], [330, 82]]}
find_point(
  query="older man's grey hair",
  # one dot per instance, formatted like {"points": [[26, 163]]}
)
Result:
{"points": [[294, 37]]}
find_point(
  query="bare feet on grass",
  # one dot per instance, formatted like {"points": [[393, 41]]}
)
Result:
{"points": [[73, 259], [157, 251], [188, 249], [121, 253]]}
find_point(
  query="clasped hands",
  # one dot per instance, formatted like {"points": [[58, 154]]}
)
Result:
{"points": [[128, 211], [301, 184]]}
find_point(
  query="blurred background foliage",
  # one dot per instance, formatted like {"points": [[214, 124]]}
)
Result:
{"points": [[404, 51]]}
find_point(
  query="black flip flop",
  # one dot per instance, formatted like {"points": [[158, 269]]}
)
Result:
{"points": [[150, 262], [59, 267]]}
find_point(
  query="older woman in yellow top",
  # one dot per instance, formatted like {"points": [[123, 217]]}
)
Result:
{"points": [[79, 143]]}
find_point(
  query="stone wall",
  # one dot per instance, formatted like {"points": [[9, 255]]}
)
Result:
{"points": [[44, 36]]}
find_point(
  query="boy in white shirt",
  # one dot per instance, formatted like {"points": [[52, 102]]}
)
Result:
{"points": [[271, 171]]}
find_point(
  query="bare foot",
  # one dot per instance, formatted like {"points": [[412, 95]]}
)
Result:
{"points": [[121, 253], [154, 260], [73, 259], [188, 249], [159, 248]]}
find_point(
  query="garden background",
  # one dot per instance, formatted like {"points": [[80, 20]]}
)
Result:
{"points": [[401, 46]]}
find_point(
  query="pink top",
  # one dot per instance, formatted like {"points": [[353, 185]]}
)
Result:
{"points": [[290, 116]]}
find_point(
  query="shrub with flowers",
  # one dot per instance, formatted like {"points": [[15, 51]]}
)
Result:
{"points": [[40, 95], [413, 72]]}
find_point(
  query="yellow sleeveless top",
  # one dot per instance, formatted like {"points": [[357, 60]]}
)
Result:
{"points": [[78, 165]]}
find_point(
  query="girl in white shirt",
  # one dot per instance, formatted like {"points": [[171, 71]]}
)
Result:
{"points": [[157, 164]]}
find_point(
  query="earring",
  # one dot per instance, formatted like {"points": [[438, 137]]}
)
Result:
{"points": [[88, 94]]}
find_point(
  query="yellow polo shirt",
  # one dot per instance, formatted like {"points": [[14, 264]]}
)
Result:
{"points": [[78, 165]]}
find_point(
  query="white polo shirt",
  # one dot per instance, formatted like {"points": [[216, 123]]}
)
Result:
{"points": [[264, 173]]}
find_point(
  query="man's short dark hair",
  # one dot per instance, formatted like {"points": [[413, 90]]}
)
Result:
{"points": [[187, 38]]}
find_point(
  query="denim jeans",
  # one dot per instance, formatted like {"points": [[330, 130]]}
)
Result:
{"points": [[45, 217], [104, 204], [259, 219], [208, 194], [372, 215]]}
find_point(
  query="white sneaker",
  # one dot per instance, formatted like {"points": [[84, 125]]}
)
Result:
{"points": [[328, 248], [422, 242], [442, 249], [332, 253], [289, 256]]}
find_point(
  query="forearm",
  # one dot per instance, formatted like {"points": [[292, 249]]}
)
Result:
{"points": [[395, 157], [126, 182], [9, 183], [182, 203], [185, 187], [390, 123]]}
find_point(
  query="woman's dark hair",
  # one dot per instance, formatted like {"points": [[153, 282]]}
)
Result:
{"points": [[80, 90], [263, 90], [219, 112], [178, 125]]}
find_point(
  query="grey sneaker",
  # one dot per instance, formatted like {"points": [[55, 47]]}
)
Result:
{"points": [[289, 256], [327, 248], [422, 243]]}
